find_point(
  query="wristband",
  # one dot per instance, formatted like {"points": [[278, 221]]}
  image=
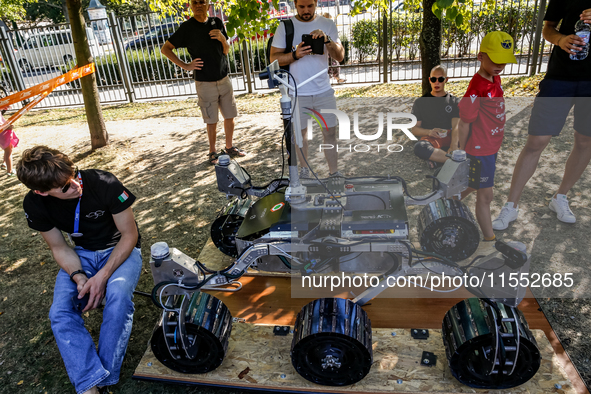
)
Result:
{"points": [[293, 54], [76, 273]]}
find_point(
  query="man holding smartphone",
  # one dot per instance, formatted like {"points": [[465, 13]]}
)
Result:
{"points": [[316, 94]]}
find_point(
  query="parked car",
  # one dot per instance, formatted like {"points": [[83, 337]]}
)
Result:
{"points": [[51, 48], [156, 37]]}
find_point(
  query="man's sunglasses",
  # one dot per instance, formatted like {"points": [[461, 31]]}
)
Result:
{"points": [[434, 79], [67, 185], [201, 2]]}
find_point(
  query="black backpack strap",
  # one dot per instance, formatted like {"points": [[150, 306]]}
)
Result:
{"points": [[289, 33]]}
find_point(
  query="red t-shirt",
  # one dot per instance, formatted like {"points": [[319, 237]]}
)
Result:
{"points": [[484, 107]]}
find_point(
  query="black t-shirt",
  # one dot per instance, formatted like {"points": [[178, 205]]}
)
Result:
{"points": [[194, 36], [561, 66], [436, 112], [102, 196]]}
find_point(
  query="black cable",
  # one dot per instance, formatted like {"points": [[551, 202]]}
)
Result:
{"points": [[142, 293], [332, 196]]}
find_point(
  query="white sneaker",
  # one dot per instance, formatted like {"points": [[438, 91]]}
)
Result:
{"points": [[559, 204], [507, 215], [304, 172]]}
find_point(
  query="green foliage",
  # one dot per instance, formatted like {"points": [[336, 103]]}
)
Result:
{"points": [[405, 31], [12, 9], [347, 46], [364, 38], [515, 17]]}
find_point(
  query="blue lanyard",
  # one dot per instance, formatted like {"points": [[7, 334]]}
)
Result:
{"points": [[77, 215]]}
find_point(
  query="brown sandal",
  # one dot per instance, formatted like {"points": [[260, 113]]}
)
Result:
{"points": [[233, 152], [213, 158]]}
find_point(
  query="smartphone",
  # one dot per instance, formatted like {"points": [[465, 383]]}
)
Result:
{"points": [[317, 44], [80, 304]]}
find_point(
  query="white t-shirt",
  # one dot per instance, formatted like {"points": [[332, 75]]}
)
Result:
{"points": [[307, 66]]}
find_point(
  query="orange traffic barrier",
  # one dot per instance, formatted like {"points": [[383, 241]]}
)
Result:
{"points": [[41, 90]]}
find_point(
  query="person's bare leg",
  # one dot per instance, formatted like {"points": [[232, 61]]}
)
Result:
{"points": [[8, 158], [483, 199], [577, 162], [439, 156], [211, 131], [526, 165], [229, 131], [466, 193], [301, 161], [332, 156]]}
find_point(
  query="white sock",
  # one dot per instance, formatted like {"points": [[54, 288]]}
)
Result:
{"points": [[511, 205], [557, 196]]}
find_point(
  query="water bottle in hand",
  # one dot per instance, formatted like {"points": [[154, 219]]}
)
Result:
{"points": [[583, 30]]}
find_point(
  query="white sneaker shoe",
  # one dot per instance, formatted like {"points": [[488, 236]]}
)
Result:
{"points": [[559, 204], [304, 172], [507, 215]]}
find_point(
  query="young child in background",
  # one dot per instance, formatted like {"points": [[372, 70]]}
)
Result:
{"points": [[482, 120], [8, 141]]}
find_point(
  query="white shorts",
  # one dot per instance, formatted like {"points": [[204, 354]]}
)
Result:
{"points": [[310, 107]]}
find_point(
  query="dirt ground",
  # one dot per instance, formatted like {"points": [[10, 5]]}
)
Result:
{"points": [[162, 161]]}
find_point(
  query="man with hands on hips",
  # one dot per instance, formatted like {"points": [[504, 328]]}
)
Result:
{"points": [[94, 209], [316, 94], [207, 42]]}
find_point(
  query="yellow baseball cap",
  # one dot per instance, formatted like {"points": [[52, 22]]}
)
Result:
{"points": [[498, 45]]}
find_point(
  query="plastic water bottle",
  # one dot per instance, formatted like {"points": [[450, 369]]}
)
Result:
{"points": [[582, 30]]}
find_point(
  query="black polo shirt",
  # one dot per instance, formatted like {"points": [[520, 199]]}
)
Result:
{"points": [[436, 112], [561, 66], [194, 36], [102, 197]]}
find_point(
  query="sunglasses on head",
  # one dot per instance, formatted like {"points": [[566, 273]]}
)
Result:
{"points": [[67, 185], [435, 79]]}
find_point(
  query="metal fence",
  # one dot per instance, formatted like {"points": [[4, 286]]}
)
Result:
{"points": [[378, 48]]}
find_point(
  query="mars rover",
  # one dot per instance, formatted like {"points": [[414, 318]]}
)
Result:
{"points": [[350, 226]]}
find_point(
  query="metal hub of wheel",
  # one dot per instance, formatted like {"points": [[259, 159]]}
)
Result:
{"points": [[226, 225], [332, 342], [485, 350], [447, 227], [207, 326]]}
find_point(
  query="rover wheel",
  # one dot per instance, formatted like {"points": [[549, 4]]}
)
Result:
{"points": [[447, 227], [476, 346], [208, 324], [227, 223], [332, 342]]}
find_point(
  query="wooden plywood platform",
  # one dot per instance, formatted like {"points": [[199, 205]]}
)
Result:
{"points": [[267, 299], [396, 368]]}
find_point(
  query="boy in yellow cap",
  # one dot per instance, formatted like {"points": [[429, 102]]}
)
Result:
{"points": [[482, 120]]}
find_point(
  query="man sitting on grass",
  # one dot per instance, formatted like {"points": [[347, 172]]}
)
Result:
{"points": [[94, 209]]}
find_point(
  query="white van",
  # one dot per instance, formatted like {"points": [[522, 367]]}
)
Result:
{"points": [[51, 48]]}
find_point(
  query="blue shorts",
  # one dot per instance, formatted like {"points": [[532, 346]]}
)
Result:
{"points": [[488, 166], [554, 102]]}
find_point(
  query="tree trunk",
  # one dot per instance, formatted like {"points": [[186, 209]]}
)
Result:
{"points": [[430, 42], [94, 114]]}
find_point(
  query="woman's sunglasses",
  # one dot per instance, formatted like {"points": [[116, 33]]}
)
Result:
{"points": [[434, 79], [67, 185]]}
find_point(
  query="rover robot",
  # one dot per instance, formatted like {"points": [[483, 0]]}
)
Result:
{"points": [[345, 225]]}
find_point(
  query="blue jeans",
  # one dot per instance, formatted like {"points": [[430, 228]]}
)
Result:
{"points": [[85, 366]]}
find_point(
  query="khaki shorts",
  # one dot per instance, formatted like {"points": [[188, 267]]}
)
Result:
{"points": [[214, 95], [324, 100]]}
